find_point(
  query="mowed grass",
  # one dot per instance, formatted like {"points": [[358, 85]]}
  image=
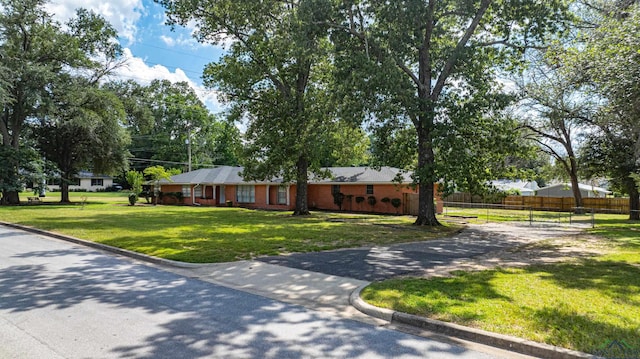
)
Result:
{"points": [[498, 214], [207, 234], [580, 305]]}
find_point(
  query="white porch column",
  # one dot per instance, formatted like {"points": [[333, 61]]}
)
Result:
{"points": [[288, 195], [214, 191], [268, 187]]}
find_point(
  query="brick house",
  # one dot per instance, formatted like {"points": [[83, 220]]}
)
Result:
{"points": [[216, 186]]}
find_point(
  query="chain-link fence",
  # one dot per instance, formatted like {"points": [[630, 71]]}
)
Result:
{"points": [[484, 212]]}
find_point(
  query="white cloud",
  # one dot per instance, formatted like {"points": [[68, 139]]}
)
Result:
{"points": [[169, 41], [181, 41], [136, 69], [122, 14]]}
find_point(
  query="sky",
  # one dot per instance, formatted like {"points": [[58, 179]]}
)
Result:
{"points": [[152, 49]]}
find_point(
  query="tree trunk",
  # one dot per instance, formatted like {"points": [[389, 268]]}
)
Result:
{"points": [[426, 161], [10, 197], [575, 186], [302, 180], [64, 191], [634, 202]]}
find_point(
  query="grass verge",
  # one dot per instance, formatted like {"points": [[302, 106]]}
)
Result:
{"points": [[206, 234], [580, 305]]}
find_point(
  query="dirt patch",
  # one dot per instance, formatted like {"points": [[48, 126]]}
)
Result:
{"points": [[536, 245]]}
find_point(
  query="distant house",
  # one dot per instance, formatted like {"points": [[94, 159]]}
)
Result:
{"points": [[216, 186], [84, 181], [564, 190], [524, 188]]}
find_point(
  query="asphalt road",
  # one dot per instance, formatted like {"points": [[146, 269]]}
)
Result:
{"points": [[383, 262], [59, 300]]}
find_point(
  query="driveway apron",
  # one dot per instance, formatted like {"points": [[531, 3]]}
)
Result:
{"points": [[383, 262]]}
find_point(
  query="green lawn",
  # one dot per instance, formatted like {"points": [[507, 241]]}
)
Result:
{"points": [[498, 214], [206, 234], [579, 305]]}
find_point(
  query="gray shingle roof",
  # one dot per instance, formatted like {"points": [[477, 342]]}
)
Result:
{"points": [[226, 175]]}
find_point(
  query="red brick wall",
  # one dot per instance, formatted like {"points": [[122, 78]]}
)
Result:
{"points": [[320, 197], [261, 197]]}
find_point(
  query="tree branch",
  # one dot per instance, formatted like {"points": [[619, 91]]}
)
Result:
{"points": [[451, 61]]}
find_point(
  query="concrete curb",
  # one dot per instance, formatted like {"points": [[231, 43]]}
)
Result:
{"points": [[501, 341], [103, 247]]}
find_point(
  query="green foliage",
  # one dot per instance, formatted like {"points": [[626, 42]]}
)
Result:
{"points": [[162, 116], [371, 200], [158, 173], [276, 77], [133, 198], [396, 202], [47, 68], [83, 130], [607, 58], [338, 199], [135, 179], [427, 73]]}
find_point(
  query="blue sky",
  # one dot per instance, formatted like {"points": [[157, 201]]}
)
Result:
{"points": [[152, 49]]}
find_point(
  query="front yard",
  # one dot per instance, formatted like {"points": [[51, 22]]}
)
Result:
{"points": [[206, 234], [583, 303]]}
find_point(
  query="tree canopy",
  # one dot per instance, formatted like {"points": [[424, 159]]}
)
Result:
{"points": [[42, 57], [428, 71], [276, 77], [607, 57]]}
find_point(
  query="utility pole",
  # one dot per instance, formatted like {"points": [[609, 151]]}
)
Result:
{"points": [[188, 140], [189, 144]]}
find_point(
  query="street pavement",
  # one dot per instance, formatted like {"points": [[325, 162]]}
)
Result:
{"points": [[62, 300]]}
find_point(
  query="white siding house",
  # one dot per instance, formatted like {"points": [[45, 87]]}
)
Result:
{"points": [[85, 181], [564, 190]]}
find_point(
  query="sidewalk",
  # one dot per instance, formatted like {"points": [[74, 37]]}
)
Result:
{"points": [[312, 290]]}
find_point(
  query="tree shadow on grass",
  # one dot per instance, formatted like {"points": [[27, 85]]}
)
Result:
{"points": [[436, 296], [162, 315], [617, 280], [569, 329]]}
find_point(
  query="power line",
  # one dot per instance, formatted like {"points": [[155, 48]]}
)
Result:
{"points": [[176, 51]]}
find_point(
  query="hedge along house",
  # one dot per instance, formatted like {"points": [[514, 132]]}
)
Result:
{"points": [[360, 189]]}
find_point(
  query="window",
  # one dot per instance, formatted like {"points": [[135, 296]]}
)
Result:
{"points": [[246, 194], [369, 189], [186, 191], [282, 195], [97, 182], [335, 189], [197, 192], [73, 181]]}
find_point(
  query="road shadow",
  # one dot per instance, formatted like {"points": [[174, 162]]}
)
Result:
{"points": [[196, 319]]}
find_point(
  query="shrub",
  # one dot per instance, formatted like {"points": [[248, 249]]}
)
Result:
{"points": [[133, 198], [371, 200], [338, 199], [385, 200], [396, 202], [359, 199]]}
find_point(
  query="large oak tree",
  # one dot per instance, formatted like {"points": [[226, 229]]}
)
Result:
{"points": [[276, 77], [433, 65]]}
